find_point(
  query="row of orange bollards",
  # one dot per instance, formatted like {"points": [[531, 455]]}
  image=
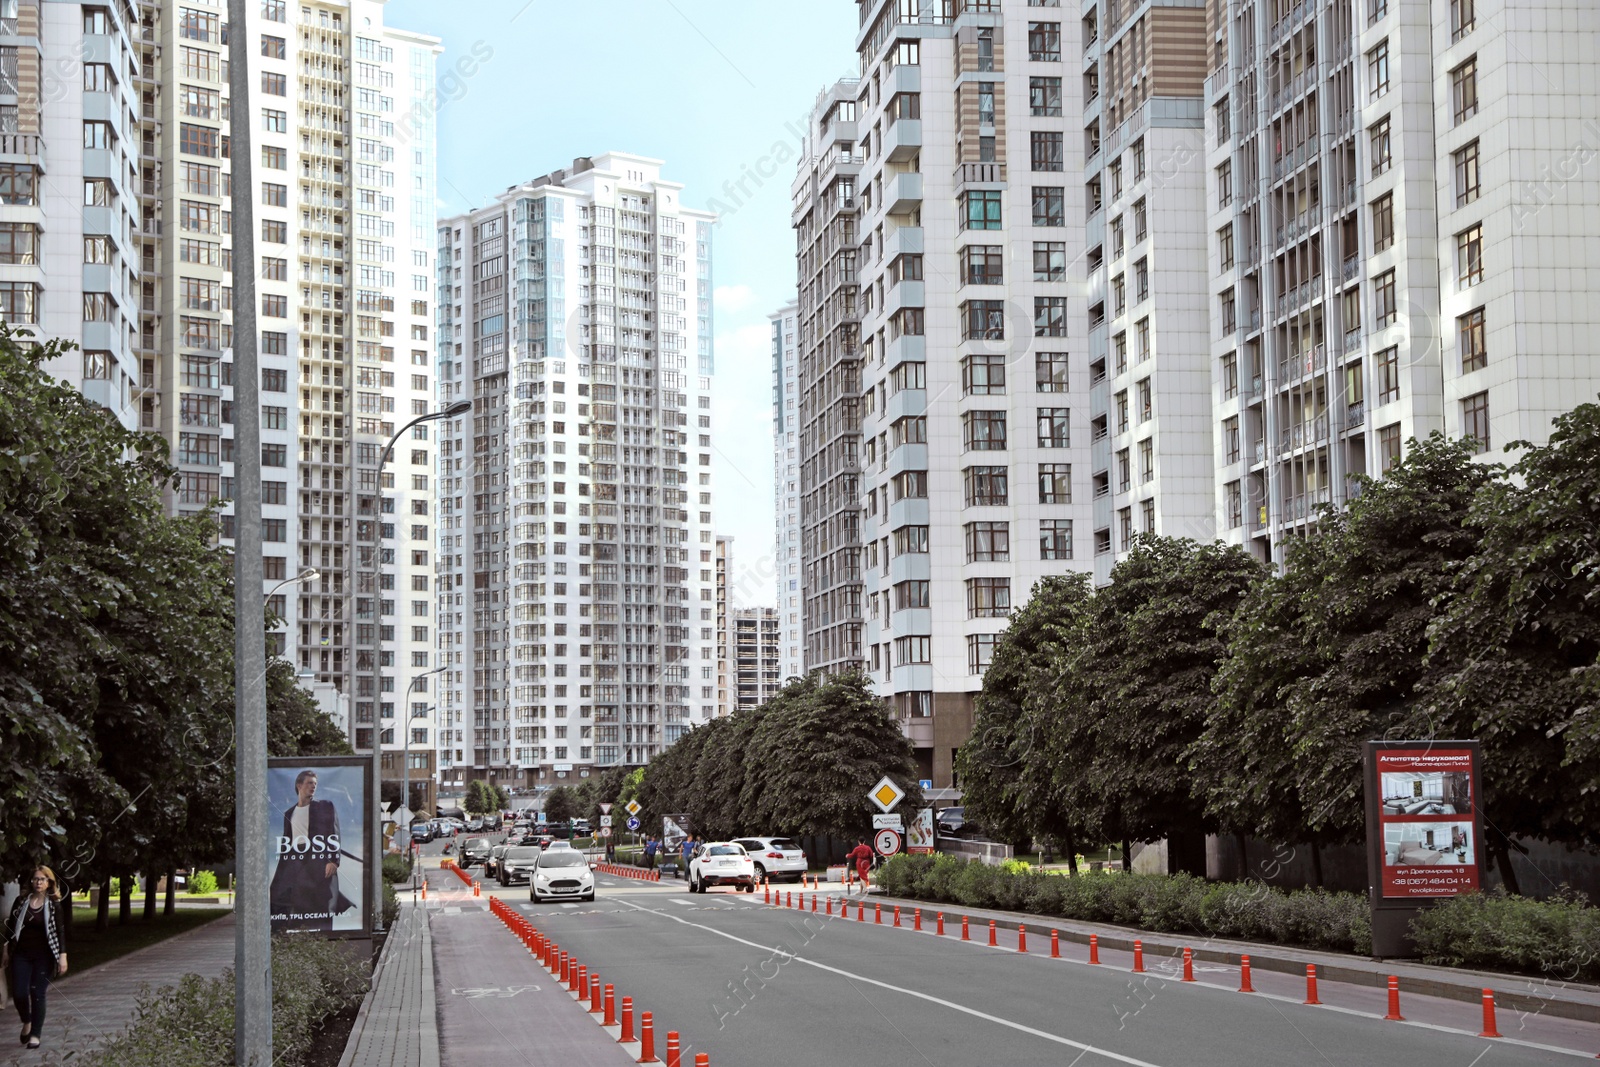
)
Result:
{"points": [[585, 986], [619, 871]]}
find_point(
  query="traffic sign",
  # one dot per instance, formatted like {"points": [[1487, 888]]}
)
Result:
{"points": [[925, 783], [888, 822], [886, 841], [632, 806], [605, 809], [886, 794], [633, 823], [605, 820], [604, 831]]}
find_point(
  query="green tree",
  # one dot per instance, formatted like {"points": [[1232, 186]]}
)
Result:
{"points": [[479, 799], [1514, 648], [296, 726], [500, 798], [560, 805]]}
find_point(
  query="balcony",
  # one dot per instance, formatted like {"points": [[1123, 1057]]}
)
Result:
{"points": [[1217, 83], [903, 241], [1306, 292], [903, 194], [1313, 361], [1302, 434], [1352, 340], [1293, 159], [21, 144], [903, 140], [979, 174]]}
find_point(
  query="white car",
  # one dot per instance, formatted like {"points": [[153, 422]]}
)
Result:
{"points": [[776, 858], [721, 863], [561, 874]]}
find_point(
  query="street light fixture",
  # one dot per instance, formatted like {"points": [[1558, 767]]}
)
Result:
{"points": [[405, 776], [305, 575], [375, 842]]}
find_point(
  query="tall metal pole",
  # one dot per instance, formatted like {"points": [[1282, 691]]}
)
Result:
{"points": [[405, 774], [252, 963], [460, 407]]}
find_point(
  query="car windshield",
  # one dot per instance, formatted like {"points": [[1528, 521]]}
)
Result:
{"points": [[783, 844], [476, 842], [562, 857], [520, 853], [725, 850]]}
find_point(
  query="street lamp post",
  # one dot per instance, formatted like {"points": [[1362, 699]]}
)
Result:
{"points": [[405, 774], [375, 842]]}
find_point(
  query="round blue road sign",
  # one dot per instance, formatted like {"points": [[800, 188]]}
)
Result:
{"points": [[633, 823]]}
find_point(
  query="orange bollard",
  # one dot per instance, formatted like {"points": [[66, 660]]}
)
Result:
{"points": [[916, 920], [1138, 957], [828, 906], [1311, 984], [813, 903], [702, 1059], [1022, 938], [877, 912], [964, 936], [673, 1059], [647, 1039], [766, 893], [861, 911], [627, 1021], [1055, 944], [596, 997], [477, 890], [1244, 975], [938, 928], [1394, 1000], [583, 982], [897, 915], [1094, 948], [424, 890], [1188, 964], [610, 1017], [1488, 1015], [992, 941]]}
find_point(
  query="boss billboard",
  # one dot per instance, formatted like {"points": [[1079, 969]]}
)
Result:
{"points": [[317, 858]]}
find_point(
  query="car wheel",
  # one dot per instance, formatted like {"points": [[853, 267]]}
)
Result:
{"points": [[590, 897], [761, 872], [533, 898]]}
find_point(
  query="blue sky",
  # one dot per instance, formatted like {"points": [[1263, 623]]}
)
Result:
{"points": [[717, 89]]}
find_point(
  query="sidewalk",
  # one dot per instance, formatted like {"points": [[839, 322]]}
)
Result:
{"points": [[1565, 1000], [398, 1024], [88, 1009]]}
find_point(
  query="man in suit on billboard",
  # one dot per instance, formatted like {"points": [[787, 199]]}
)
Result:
{"points": [[305, 887]]}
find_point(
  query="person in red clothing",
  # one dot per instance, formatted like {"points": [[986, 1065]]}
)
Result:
{"points": [[862, 855]]}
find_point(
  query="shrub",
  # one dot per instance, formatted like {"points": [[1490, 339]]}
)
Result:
{"points": [[1559, 938], [203, 882], [391, 906], [184, 1025], [396, 869]]}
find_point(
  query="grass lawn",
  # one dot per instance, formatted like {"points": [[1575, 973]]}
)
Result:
{"points": [[90, 947]]}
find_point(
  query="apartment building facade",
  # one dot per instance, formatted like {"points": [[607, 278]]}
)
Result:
{"points": [[576, 555], [974, 356], [786, 489], [757, 656], [726, 688], [828, 381], [1396, 246]]}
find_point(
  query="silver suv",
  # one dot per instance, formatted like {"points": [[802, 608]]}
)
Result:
{"points": [[778, 859]]}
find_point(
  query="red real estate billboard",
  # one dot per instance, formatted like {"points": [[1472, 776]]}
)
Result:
{"points": [[1427, 820]]}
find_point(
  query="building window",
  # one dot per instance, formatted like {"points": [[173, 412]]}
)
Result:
{"points": [[1124, 471], [1121, 405], [1049, 206], [980, 651], [1055, 538], [273, 195], [910, 595], [1049, 261], [1388, 447], [1141, 279], [274, 158], [1055, 483], [1146, 410], [913, 649], [1464, 90], [1378, 70], [1046, 150], [1044, 97], [100, 135], [983, 375], [988, 598], [1224, 184], [1475, 420], [1386, 366], [274, 121], [1230, 440], [1147, 515], [274, 530], [1462, 18], [1383, 222], [983, 431], [981, 209], [1119, 349], [911, 540], [1125, 528], [274, 455], [1233, 505], [907, 322], [1381, 146], [1053, 428], [986, 486], [1230, 376], [983, 320], [908, 485], [1469, 256], [1044, 42], [982, 265], [1050, 372], [274, 84], [19, 244], [1468, 179], [274, 232], [1385, 309], [198, 140], [272, 47], [988, 542], [1474, 345], [1225, 246], [1147, 461], [1049, 316]]}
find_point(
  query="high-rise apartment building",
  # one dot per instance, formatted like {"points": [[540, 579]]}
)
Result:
{"points": [[127, 249], [1395, 247], [757, 648], [786, 489], [576, 553], [1149, 352], [974, 359], [829, 385], [726, 689]]}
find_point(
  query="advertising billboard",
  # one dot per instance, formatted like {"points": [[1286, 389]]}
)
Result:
{"points": [[919, 833], [317, 849], [1426, 798]]}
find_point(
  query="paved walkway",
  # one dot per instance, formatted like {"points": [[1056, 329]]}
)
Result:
{"points": [[397, 1026], [88, 1009]]}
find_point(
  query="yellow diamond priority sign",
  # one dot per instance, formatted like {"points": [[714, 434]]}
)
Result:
{"points": [[886, 794], [632, 806]]}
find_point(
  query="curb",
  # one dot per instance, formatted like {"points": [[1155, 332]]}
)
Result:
{"points": [[1122, 938]]}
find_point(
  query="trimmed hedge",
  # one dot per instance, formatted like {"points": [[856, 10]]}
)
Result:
{"points": [[1180, 903], [191, 1024], [1558, 938]]}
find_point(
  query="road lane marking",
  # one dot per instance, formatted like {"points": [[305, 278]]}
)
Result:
{"points": [[952, 1005]]}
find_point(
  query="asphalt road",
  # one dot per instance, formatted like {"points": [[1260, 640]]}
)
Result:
{"points": [[749, 983]]}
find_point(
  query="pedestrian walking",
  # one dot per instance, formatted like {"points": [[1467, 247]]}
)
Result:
{"points": [[35, 950], [649, 853], [687, 850], [862, 856]]}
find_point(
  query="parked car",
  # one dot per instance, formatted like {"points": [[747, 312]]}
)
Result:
{"points": [[721, 863], [421, 833], [517, 863], [475, 850], [474, 824], [491, 866], [778, 859], [950, 820], [580, 827], [561, 874]]}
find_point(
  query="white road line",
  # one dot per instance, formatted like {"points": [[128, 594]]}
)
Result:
{"points": [[569, 905], [952, 1005], [676, 900]]}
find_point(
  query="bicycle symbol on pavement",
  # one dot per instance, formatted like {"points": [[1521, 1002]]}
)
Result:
{"points": [[496, 991]]}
